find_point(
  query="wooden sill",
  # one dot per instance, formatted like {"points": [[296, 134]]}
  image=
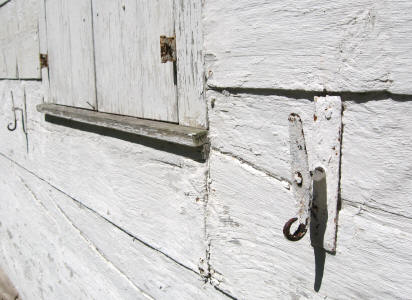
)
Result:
{"points": [[184, 135]]}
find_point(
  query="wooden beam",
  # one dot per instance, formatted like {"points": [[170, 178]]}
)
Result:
{"points": [[189, 136]]}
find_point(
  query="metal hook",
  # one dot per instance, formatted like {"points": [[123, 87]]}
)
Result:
{"points": [[11, 126], [299, 232]]}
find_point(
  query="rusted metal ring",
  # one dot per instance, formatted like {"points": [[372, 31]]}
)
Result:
{"points": [[299, 232]]}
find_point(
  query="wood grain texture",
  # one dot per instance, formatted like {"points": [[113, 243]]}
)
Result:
{"points": [[155, 195], [19, 41], [76, 239], [190, 63], [131, 80], [376, 142], [376, 152], [309, 45], [70, 53], [43, 253], [178, 134], [250, 258]]}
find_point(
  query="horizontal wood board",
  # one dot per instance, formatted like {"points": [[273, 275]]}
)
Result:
{"points": [[311, 45]]}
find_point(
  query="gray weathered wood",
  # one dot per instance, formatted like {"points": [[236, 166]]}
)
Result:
{"points": [[356, 45], [130, 78], [19, 42], [178, 134], [190, 70], [70, 53]]}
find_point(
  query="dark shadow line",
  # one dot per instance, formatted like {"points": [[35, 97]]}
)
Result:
{"points": [[1, 5], [20, 79], [194, 153], [359, 97], [224, 293]]}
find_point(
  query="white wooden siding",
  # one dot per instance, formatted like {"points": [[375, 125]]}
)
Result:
{"points": [[154, 195], [59, 249], [19, 43], [70, 53], [356, 45], [251, 259], [131, 80]]}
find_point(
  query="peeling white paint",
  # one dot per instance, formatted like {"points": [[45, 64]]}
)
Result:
{"points": [[90, 216]]}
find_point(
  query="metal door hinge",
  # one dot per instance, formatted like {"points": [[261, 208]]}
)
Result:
{"points": [[44, 61], [167, 49], [315, 181]]}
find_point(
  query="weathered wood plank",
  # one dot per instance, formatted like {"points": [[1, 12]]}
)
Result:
{"points": [[155, 195], [70, 53], [309, 45], [19, 41], [255, 128], [8, 53], [190, 63], [178, 134], [40, 206], [43, 254], [131, 80], [250, 258], [376, 152]]}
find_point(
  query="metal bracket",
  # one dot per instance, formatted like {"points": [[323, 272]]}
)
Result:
{"points": [[167, 49], [44, 61], [317, 191]]}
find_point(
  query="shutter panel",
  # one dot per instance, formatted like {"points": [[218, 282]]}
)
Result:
{"points": [[131, 80], [70, 53]]}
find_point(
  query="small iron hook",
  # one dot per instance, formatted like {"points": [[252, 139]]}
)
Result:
{"points": [[11, 126], [299, 232]]}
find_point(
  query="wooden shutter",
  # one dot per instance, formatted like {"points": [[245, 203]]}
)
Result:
{"points": [[70, 53], [105, 55], [131, 79]]}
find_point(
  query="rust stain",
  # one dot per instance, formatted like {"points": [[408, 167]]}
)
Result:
{"points": [[44, 61], [167, 49]]}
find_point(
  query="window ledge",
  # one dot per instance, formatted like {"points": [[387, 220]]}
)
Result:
{"points": [[184, 135]]}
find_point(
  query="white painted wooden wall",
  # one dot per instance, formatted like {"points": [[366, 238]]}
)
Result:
{"points": [[89, 216]]}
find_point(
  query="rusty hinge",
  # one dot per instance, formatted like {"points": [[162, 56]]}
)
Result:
{"points": [[167, 48], [44, 61], [316, 178]]}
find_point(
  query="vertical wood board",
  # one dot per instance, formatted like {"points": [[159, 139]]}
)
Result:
{"points": [[19, 41], [190, 63], [70, 53], [130, 78]]}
